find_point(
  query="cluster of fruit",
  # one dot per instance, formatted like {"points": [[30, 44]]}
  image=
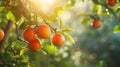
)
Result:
{"points": [[44, 32], [97, 23]]}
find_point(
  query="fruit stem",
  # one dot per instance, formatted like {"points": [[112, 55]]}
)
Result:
{"points": [[54, 29], [7, 34]]}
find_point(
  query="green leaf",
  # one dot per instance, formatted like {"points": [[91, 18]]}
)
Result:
{"points": [[25, 59], [97, 9], [10, 16], [39, 19], [22, 51], [66, 29], [44, 52], [58, 10], [116, 29], [1, 9], [85, 21], [50, 49], [61, 23], [68, 37], [117, 8], [51, 18], [82, 15], [101, 64], [70, 5]]}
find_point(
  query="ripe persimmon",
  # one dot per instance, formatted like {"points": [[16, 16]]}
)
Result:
{"points": [[43, 31], [30, 34], [1, 34], [58, 39], [112, 2], [96, 24], [35, 45]]}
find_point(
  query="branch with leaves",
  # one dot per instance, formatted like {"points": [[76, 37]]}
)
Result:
{"points": [[106, 6]]}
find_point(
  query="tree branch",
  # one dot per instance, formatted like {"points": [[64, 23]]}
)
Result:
{"points": [[7, 34]]}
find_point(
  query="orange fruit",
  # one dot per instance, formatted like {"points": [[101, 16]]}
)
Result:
{"points": [[43, 31], [30, 34], [1, 34], [35, 45], [96, 24], [112, 2], [58, 39], [9, 6]]}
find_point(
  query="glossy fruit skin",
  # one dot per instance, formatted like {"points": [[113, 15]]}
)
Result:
{"points": [[58, 40], [1, 34], [30, 34], [96, 24], [35, 45], [43, 31], [112, 2]]}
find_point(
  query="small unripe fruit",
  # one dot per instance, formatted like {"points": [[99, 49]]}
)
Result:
{"points": [[30, 34], [35, 45], [112, 2], [43, 31], [96, 24], [1, 34], [58, 39]]}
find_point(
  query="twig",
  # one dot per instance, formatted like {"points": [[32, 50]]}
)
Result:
{"points": [[17, 33], [22, 40]]}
